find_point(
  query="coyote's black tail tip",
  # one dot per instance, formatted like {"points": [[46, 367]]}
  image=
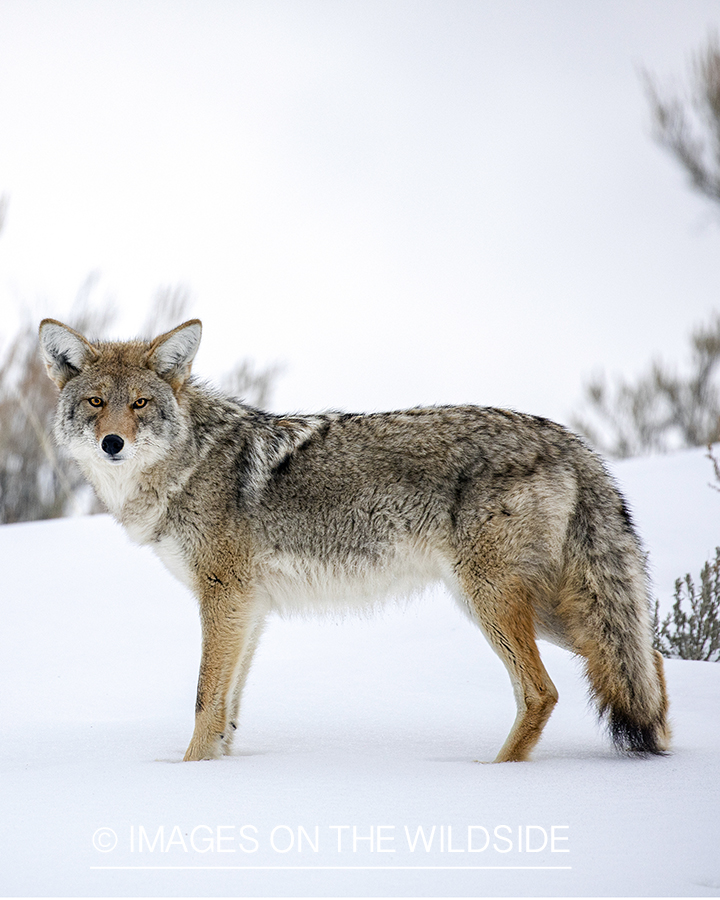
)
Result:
{"points": [[636, 712], [641, 740]]}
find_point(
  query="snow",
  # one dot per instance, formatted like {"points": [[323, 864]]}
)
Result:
{"points": [[354, 734]]}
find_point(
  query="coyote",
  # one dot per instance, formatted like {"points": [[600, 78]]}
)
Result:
{"points": [[257, 512]]}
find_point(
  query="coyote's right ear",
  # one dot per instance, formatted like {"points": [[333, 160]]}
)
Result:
{"points": [[65, 351]]}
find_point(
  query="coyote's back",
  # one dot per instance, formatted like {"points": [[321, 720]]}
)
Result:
{"points": [[257, 512]]}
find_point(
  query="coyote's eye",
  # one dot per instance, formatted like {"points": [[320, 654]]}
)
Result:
{"points": [[140, 402], [97, 402]]}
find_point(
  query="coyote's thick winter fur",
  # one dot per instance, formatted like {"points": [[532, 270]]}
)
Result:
{"points": [[258, 512]]}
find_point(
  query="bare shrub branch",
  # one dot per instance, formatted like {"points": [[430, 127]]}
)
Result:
{"points": [[689, 128], [663, 410]]}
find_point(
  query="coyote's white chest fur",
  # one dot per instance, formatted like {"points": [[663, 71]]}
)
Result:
{"points": [[175, 560]]}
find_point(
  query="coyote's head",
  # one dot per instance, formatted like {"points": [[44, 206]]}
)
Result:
{"points": [[119, 402]]}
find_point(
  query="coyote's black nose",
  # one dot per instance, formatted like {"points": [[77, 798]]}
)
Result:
{"points": [[112, 444]]}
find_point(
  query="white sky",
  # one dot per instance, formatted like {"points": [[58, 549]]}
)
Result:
{"points": [[402, 202]]}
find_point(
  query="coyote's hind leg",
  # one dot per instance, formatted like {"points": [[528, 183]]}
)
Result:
{"points": [[505, 616]]}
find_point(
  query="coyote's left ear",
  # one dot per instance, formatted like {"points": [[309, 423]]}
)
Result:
{"points": [[65, 351], [171, 354]]}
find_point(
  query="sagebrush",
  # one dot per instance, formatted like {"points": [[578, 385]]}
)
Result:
{"points": [[694, 634], [692, 629]]}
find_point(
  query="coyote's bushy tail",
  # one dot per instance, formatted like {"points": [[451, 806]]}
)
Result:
{"points": [[609, 621], [646, 730]]}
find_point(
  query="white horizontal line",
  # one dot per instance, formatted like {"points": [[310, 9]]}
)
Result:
{"points": [[336, 868]]}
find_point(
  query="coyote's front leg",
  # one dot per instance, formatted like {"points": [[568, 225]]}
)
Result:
{"points": [[228, 628]]}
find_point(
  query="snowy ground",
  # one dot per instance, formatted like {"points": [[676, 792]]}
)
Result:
{"points": [[355, 734]]}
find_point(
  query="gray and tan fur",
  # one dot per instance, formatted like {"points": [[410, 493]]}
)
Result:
{"points": [[258, 512]]}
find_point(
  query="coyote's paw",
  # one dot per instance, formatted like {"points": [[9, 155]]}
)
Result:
{"points": [[203, 750]]}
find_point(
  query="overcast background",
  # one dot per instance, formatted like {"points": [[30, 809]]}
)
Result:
{"points": [[401, 202]]}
